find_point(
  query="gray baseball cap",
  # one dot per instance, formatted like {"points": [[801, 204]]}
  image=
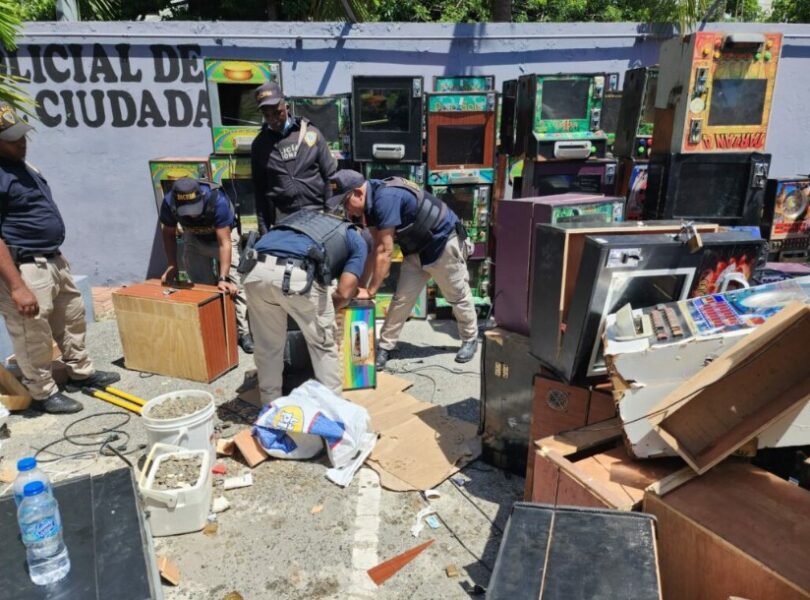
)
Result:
{"points": [[268, 94], [345, 181]]}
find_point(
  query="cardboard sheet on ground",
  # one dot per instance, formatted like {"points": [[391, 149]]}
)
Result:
{"points": [[420, 445]]}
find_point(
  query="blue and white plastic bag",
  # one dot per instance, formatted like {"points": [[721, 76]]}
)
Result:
{"points": [[298, 427]]}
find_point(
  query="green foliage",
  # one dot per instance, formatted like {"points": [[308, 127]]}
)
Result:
{"points": [[790, 11], [10, 90]]}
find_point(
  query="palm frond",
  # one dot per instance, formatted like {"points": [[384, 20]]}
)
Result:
{"points": [[10, 84]]}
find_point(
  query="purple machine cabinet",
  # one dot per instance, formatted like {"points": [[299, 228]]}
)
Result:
{"points": [[514, 256], [592, 176]]}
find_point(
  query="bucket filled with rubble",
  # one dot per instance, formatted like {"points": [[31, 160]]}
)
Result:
{"points": [[184, 418]]}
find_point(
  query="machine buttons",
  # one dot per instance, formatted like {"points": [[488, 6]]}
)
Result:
{"points": [[694, 131]]}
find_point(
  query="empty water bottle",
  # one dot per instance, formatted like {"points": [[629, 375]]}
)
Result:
{"points": [[41, 529], [27, 471]]}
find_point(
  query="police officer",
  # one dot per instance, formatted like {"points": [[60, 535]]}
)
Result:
{"points": [[38, 298], [290, 161], [208, 221], [433, 242], [296, 263]]}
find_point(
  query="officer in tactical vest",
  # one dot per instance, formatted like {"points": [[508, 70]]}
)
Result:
{"points": [[433, 242], [38, 298], [208, 221], [295, 265], [290, 161]]}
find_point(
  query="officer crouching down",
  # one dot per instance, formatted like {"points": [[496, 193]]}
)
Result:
{"points": [[208, 220], [295, 265], [433, 241]]}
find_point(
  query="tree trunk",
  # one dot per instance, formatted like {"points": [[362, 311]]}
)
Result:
{"points": [[272, 10], [502, 11]]}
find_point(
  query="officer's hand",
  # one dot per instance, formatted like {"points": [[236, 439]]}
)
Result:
{"points": [[25, 301], [169, 275], [362, 294], [227, 287]]}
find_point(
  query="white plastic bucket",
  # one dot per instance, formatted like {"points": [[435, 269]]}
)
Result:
{"points": [[182, 510], [190, 432]]}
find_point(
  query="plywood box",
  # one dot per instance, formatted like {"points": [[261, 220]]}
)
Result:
{"points": [[557, 407], [610, 479], [735, 531], [186, 333], [13, 394]]}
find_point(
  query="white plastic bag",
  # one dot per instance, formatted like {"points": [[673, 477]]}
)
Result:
{"points": [[299, 425]]}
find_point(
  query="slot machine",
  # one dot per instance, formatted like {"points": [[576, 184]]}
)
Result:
{"points": [[331, 115], [235, 118], [714, 92], [559, 116], [786, 218], [387, 119], [233, 173], [464, 83], [546, 178]]}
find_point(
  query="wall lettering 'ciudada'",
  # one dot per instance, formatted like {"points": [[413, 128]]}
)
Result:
{"points": [[158, 86]]}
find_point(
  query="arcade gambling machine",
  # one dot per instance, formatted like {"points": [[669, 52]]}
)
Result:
{"points": [[713, 104], [461, 169], [387, 141]]}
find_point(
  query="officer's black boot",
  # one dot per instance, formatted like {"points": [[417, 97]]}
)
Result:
{"points": [[57, 404], [246, 343], [382, 358], [467, 351], [99, 379]]}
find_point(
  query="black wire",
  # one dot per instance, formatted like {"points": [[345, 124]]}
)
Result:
{"points": [[75, 438], [478, 508]]}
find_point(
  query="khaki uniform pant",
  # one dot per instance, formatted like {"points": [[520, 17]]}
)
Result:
{"points": [[313, 312], [60, 318], [450, 274], [197, 256]]}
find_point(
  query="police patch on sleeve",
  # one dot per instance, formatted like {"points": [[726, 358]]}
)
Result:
{"points": [[310, 138]]}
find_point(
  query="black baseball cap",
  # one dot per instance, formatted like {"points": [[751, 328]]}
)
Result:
{"points": [[12, 127], [345, 181], [189, 197], [268, 94]]}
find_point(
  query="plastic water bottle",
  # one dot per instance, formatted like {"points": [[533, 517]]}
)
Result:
{"points": [[41, 529], [27, 471]]}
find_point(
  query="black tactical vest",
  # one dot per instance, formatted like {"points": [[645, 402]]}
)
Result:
{"points": [[430, 214], [205, 223], [330, 232]]}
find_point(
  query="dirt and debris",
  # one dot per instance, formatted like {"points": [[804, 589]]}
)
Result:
{"points": [[178, 406], [177, 472]]}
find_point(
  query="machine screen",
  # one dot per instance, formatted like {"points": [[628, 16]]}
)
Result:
{"points": [[461, 199], [707, 191], [322, 113], [565, 99], [240, 192], [610, 112], [385, 109], [237, 104], [737, 101], [460, 144]]}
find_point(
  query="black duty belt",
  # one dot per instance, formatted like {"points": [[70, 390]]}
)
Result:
{"points": [[34, 257], [283, 261]]}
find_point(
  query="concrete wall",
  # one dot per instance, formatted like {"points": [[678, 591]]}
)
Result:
{"points": [[148, 80]]}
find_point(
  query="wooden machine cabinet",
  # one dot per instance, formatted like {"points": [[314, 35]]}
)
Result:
{"points": [[188, 333]]}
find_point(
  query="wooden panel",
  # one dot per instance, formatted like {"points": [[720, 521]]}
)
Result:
{"points": [[13, 394], [571, 492], [218, 329], [699, 563], [557, 407], [758, 380], [545, 480], [775, 514]]}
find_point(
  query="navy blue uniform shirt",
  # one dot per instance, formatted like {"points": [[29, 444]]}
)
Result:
{"points": [[391, 207], [29, 218], [223, 212], [285, 243]]}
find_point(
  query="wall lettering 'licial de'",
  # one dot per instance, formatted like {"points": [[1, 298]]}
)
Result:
{"points": [[118, 86]]}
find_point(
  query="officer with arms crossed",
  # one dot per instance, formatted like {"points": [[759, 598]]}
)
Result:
{"points": [[290, 161], [38, 297], [208, 220], [432, 240], [296, 262]]}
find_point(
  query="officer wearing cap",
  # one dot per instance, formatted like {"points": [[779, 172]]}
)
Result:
{"points": [[38, 298], [433, 242], [290, 161], [296, 264], [208, 221]]}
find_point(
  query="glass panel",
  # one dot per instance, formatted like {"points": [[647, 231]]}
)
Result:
{"points": [[385, 109]]}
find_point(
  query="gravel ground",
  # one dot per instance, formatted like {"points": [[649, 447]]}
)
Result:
{"points": [[293, 534]]}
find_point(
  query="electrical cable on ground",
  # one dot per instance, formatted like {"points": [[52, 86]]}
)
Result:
{"points": [[95, 445]]}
